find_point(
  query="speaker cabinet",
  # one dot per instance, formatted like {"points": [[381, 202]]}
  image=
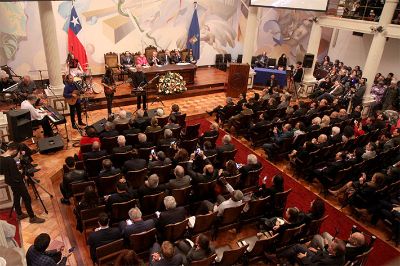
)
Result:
{"points": [[308, 60], [51, 144], [19, 125]]}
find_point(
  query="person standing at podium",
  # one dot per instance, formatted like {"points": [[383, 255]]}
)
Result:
{"points": [[138, 81], [37, 117]]}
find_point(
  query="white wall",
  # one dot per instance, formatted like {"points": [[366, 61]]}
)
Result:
{"points": [[353, 50]]}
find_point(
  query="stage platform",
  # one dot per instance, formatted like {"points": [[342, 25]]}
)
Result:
{"points": [[207, 80]]}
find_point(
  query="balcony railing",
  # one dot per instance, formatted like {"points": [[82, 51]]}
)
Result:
{"points": [[369, 10]]}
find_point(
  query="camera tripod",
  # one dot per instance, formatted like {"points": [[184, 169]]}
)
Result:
{"points": [[32, 182]]}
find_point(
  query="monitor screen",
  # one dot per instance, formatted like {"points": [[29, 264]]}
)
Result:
{"points": [[315, 5]]}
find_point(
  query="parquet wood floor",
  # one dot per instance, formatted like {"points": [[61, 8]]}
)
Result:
{"points": [[63, 230]]}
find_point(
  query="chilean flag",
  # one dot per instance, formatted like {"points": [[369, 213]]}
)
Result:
{"points": [[75, 47]]}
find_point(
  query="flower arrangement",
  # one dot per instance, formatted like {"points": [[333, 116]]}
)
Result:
{"points": [[171, 83]]}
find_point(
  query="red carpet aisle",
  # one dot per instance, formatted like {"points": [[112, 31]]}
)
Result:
{"points": [[13, 220], [301, 198]]}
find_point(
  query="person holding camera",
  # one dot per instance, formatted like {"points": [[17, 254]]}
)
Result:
{"points": [[14, 178]]}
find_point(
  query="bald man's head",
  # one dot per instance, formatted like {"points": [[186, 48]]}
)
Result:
{"points": [[96, 146]]}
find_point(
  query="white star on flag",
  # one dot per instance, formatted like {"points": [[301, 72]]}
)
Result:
{"points": [[75, 21]]}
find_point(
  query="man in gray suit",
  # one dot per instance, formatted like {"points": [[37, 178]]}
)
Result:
{"points": [[181, 180]]}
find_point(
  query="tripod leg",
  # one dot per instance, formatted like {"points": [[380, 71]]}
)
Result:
{"points": [[38, 197]]}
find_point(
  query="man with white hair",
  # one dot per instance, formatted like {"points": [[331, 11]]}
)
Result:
{"points": [[109, 131], [135, 224], [168, 138], [141, 121], [5, 80], [226, 145], [335, 137], [143, 143], [151, 186], [172, 214], [122, 147], [121, 118], [37, 117], [252, 165]]}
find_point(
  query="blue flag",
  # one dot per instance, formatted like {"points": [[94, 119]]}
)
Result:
{"points": [[193, 41]]}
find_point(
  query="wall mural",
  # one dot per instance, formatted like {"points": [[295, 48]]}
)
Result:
{"points": [[121, 25]]}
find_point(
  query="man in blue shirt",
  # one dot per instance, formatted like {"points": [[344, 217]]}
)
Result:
{"points": [[69, 89]]}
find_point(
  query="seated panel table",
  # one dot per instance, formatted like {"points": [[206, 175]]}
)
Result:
{"points": [[262, 74], [188, 72]]}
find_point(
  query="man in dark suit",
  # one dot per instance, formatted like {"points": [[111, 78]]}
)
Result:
{"points": [[154, 61], [272, 82], [206, 176], [109, 131], [72, 176], [122, 148], [335, 137], [331, 169], [164, 255], [102, 235], [252, 164], [135, 163], [333, 255], [302, 109], [141, 121], [159, 160], [226, 145], [135, 224], [95, 153], [123, 194], [277, 140], [172, 214], [127, 60], [208, 149], [168, 138], [108, 169], [143, 143], [181, 180], [177, 57], [297, 76], [262, 60], [166, 58], [138, 81]]}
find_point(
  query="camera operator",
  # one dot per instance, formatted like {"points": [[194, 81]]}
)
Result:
{"points": [[14, 178]]}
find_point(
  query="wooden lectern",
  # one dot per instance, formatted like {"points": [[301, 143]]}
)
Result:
{"points": [[237, 79]]}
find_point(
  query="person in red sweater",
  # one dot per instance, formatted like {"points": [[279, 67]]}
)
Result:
{"points": [[88, 138]]}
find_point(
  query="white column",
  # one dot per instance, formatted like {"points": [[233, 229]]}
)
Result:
{"points": [[312, 48], [377, 47], [50, 44], [250, 37]]}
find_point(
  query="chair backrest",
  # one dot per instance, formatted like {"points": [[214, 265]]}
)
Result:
{"points": [[181, 195], [176, 231], [176, 132], [227, 57], [280, 202], [121, 127], [361, 259], [163, 172], [257, 207], [136, 178], [232, 256], [111, 60], [203, 223], [162, 121], [148, 51], [228, 155], [152, 203], [290, 235], [92, 213], [107, 185], [315, 226], [85, 148], [119, 211], [212, 139], [144, 153], [142, 242], [109, 143], [78, 188], [109, 252], [233, 180], [155, 136], [204, 262], [252, 178], [204, 190], [192, 131], [132, 139], [94, 166], [262, 245], [231, 215], [118, 159], [181, 119], [189, 145]]}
